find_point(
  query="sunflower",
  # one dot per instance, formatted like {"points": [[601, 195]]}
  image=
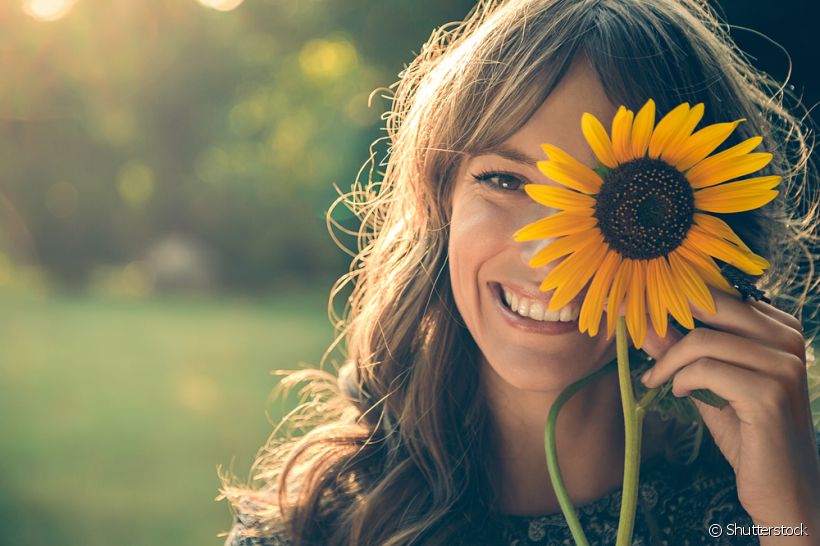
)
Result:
{"points": [[639, 228]]}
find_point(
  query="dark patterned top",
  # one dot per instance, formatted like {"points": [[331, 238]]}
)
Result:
{"points": [[677, 506]]}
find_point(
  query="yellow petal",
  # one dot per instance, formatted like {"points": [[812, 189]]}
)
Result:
{"points": [[642, 129], [723, 250], [616, 294], [701, 175], [577, 275], [693, 286], [635, 304], [598, 140], [667, 127], [718, 228], [559, 198], [583, 173], [706, 268], [567, 175], [621, 131], [654, 299], [738, 203], [616, 122], [737, 196], [673, 296], [572, 266], [593, 306], [675, 147], [563, 246], [703, 143], [733, 168], [556, 225]]}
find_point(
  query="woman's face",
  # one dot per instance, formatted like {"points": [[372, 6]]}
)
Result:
{"points": [[487, 266]]}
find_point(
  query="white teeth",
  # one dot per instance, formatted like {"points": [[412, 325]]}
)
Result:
{"points": [[553, 316], [566, 314], [537, 310], [524, 307]]}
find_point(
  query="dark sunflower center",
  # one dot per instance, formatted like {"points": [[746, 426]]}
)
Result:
{"points": [[644, 209]]}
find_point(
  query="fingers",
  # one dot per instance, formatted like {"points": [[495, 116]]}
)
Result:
{"points": [[778, 314], [746, 353], [738, 317], [753, 395]]}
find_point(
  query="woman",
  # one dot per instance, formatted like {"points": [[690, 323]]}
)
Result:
{"points": [[435, 435]]}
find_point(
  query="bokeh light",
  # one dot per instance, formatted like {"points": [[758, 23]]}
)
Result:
{"points": [[47, 10], [221, 5], [323, 59]]}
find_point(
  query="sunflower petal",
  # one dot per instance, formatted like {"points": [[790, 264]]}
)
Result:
{"points": [[721, 249], [593, 306], [667, 127], [707, 268], [675, 147], [733, 168], [673, 297], [702, 174], [598, 140], [621, 131], [569, 176], [563, 246], [556, 225], [573, 266], [642, 129], [635, 304], [719, 228], [583, 173], [654, 300], [741, 197], [691, 284], [616, 294], [703, 143], [559, 198], [738, 203], [589, 260]]}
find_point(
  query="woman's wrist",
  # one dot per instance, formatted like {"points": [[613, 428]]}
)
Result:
{"points": [[802, 528]]}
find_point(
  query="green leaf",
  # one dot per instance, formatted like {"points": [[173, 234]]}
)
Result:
{"points": [[708, 397]]}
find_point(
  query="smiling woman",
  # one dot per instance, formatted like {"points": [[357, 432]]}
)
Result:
{"points": [[455, 351]]}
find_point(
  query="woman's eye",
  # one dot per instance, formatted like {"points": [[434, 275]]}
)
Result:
{"points": [[500, 181]]}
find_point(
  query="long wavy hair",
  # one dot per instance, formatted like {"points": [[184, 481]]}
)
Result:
{"points": [[393, 446]]}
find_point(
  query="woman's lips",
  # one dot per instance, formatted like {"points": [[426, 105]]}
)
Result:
{"points": [[527, 324]]}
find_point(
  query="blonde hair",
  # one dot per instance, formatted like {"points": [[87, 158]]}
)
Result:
{"points": [[397, 449]]}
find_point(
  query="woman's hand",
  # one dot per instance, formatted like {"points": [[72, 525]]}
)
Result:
{"points": [[755, 358]]}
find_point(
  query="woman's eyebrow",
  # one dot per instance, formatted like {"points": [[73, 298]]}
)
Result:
{"points": [[511, 154]]}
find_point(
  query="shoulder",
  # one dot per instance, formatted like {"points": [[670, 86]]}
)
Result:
{"points": [[248, 532]]}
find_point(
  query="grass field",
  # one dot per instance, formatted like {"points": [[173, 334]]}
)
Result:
{"points": [[115, 414]]}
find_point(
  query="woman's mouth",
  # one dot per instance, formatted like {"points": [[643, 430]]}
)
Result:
{"points": [[532, 315]]}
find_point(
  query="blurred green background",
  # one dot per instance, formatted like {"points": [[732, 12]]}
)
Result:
{"points": [[165, 171]]}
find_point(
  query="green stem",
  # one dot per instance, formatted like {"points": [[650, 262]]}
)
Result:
{"points": [[633, 423], [552, 455]]}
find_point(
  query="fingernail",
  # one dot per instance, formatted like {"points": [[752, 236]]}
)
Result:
{"points": [[646, 376]]}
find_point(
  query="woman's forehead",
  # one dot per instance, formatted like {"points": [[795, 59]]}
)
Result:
{"points": [[558, 120]]}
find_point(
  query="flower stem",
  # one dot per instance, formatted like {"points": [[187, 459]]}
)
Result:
{"points": [[552, 455], [633, 424]]}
